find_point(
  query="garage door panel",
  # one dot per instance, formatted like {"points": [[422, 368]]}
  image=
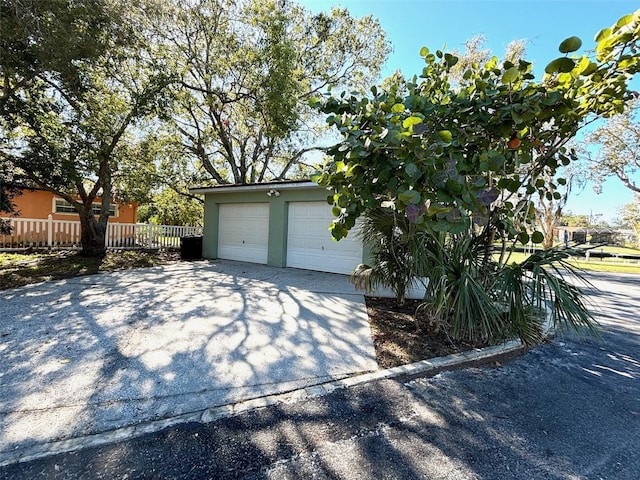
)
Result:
{"points": [[244, 232], [309, 242]]}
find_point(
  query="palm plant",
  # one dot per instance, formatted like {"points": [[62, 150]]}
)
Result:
{"points": [[460, 274], [482, 300], [468, 292], [544, 281], [396, 260]]}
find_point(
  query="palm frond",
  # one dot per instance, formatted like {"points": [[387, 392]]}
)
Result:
{"points": [[541, 281]]}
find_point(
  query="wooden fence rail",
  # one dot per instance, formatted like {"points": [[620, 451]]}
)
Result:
{"points": [[61, 234]]}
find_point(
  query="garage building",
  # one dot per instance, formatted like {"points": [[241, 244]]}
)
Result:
{"points": [[282, 224]]}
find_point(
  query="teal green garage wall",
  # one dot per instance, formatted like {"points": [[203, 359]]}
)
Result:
{"points": [[210, 230], [278, 215]]}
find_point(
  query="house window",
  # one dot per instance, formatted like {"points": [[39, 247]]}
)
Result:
{"points": [[62, 206]]}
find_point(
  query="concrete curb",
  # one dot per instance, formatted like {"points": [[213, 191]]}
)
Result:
{"points": [[224, 411]]}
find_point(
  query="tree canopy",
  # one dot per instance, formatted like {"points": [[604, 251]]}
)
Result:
{"points": [[44, 37], [246, 72], [68, 122], [450, 156], [613, 149], [570, 219], [102, 98], [629, 217], [54, 37]]}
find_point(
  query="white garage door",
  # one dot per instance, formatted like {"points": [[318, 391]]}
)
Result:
{"points": [[309, 243], [243, 232]]}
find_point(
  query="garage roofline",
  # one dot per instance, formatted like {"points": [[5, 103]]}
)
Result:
{"points": [[256, 187]]}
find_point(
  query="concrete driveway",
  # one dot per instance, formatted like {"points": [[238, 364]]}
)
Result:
{"points": [[95, 353]]}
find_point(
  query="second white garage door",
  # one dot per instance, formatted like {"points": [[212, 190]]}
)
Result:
{"points": [[243, 232], [309, 243]]}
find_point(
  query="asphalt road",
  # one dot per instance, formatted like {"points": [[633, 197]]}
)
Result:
{"points": [[569, 409]]}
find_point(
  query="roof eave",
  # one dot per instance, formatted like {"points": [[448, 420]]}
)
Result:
{"points": [[262, 187]]}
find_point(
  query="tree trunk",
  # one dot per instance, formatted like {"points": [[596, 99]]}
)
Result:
{"points": [[93, 234]]}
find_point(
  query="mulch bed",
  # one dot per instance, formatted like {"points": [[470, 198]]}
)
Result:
{"points": [[400, 339]]}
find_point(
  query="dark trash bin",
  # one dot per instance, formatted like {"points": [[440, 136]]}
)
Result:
{"points": [[191, 247]]}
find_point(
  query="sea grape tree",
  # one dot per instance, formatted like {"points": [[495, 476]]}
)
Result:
{"points": [[452, 156], [442, 167]]}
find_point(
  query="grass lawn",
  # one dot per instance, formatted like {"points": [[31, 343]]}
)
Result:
{"points": [[17, 269], [515, 257], [614, 267], [617, 250], [612, 249], [594, 265]]}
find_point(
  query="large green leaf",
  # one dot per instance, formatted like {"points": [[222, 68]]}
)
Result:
{"points": [[412, 170], [523, 238], [510, 75], [603, 34], [338, 231], [586, 66], [410, 121], [409, 197], [570, 44], [537, 237], [560, 65], [551, 98], [436, 209], [626, 20], [445, 135]]}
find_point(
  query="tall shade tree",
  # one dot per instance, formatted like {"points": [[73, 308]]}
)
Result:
{"points": [[7, 191], [614, 149], [549, 209], [68, 123], [570, 219], [168, 207], [43, 36], [629, 216], [247, 71], [52, 36], [475, 53]]}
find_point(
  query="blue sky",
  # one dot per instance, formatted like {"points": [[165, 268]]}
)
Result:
{"points": [[411, 24]]}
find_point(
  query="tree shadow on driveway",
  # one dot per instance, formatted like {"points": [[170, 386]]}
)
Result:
{"points": [[96, 353]]}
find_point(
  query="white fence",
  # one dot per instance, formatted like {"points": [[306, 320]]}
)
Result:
{"points": [[49, 233]]}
